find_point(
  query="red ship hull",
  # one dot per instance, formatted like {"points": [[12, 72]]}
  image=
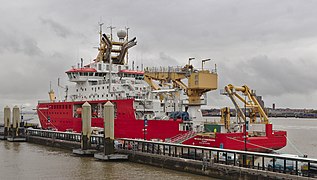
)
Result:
{"points": [[60, 116]]}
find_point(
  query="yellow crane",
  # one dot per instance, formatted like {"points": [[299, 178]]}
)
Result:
{"points": [[199, 81], [251, 103]]}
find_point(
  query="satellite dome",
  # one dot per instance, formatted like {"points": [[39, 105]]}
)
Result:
{"points": [[121, 34]]}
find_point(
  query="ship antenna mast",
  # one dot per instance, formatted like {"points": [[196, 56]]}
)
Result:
{"points": [[127, 28], [100, 33], [111, 28]]}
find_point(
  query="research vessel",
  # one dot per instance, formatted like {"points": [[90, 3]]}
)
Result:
{"points": [[159, 103]]}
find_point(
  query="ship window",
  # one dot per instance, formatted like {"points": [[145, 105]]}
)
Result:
{"points": [[101, 95], [106, 95], [98, 88], [107, 67], [103, 87], [99, 66], [85, 74], [92, 88], [76, 90]]}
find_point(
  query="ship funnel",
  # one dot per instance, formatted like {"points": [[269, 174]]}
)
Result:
{"points": [[51, 93]]}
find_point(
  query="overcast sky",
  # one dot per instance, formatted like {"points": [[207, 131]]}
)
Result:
{"points": [[269, 45]]}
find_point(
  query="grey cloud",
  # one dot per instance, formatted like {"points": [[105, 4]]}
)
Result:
{"points": [[252, 42], [58, 28], [273, 77], [16, 43], [165, 59], [30, 47]]}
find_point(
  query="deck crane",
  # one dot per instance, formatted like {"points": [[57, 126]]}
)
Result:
{"points": [[199, 81], [251, 103]]}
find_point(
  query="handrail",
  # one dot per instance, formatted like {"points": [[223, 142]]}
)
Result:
{"points": [[199, 153], [224, 150]]}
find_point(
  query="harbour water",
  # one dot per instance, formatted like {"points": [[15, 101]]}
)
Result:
{"points": [[30, 161], [301, 135]]}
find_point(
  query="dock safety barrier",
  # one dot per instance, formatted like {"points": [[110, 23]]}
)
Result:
{"points": [[285, 164]]}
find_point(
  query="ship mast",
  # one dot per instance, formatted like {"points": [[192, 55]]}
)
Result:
{"points": [[111, 28], [127, 59], [110, 60], [100, 34]]}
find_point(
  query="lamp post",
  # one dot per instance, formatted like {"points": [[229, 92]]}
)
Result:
{"points": [[245, 123], [203, 62], [245, 130], [145, 126], [145, 121], [190, 59], [22, 107]]}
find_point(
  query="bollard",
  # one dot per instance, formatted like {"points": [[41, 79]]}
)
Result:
{"points": [[15, 121], [85, 144], [7, 117], [86, 126], [108, 128], [108, 151]]}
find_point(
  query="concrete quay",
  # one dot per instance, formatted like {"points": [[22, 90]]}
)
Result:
{"points": [[210, 169]]}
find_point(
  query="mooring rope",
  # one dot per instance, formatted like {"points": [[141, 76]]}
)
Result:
{"points": [[293, 146], [253, 144]]}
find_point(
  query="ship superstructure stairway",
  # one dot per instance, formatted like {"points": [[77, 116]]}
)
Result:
{"points": [[179, 138]]}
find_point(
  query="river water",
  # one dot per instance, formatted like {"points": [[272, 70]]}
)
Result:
{"points": [[301, 135], [31, 161]]}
